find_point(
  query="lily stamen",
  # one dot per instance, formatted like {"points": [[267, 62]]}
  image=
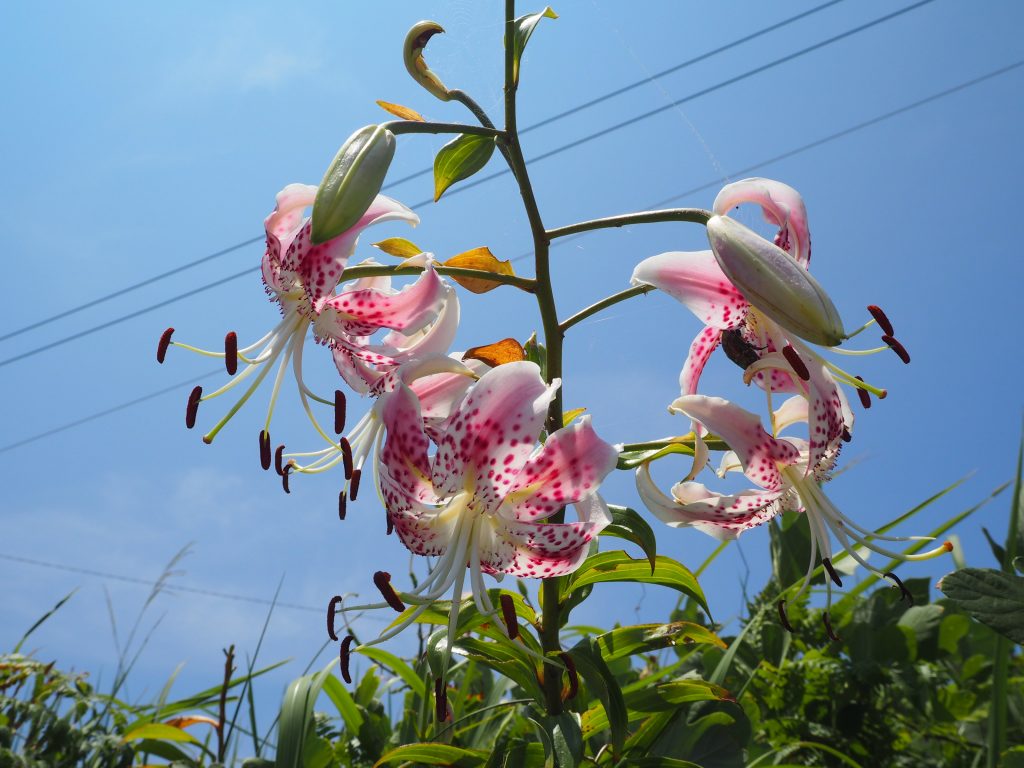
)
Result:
{"points": [[192, 407], [832, 572], [344, 656], [265, 454], [382, 580], [161, 347], [342, 504], [827, 620], [508, 613], [881, 319], [231, 353], [899, 349]]}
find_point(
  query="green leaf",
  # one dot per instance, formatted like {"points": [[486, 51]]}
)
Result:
{"points": [[399, 667], [294, 725], [994, 598], [645, 638], [633, 459], [159, 731], [567, 740], [602, 683], [524, 27], [344, 703], [629, 525], [399, 247], [661, 762], [164, 749], [433, 754], [459, 159], [618, 566]]}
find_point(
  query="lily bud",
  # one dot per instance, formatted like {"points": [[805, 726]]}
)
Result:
{"points": [[352, 181], [774, 282], [416, 65]]}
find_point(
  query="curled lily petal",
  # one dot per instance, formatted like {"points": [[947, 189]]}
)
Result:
{"points": [[695, 279]]}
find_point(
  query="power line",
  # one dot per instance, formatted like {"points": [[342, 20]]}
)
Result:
{"points": [[538, 158], [425, 171], [153, 583], [129, 316], [696, 94], [785, 155]]}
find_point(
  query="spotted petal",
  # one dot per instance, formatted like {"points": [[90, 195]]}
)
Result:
{"points": [[758, 451], [695, 279], [781, 206], [404, 464], [501, 416], [722, 516], [539, 550], [355, 311], [281, 226], [569, 467]]}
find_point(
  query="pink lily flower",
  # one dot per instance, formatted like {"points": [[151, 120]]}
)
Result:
{"points": [[478, 503], [776, 359], [788, 474], [302, 279]]}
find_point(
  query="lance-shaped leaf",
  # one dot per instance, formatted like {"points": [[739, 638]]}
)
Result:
{"points": [[524, 27], [433, 754], [459, 159], [500, 352], [482, 259], [994, 598], [400, 247], [399, 111], [629, 525], [602, 683], [618, 566], [646, 638]]}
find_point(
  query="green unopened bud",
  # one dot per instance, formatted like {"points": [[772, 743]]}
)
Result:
{"points": [[352, 181], [412, 53], [774, 282]]}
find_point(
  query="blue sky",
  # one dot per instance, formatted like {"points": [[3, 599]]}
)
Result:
{"points": [[142, 137]]}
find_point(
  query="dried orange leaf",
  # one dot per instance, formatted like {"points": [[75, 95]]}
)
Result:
{"points": [[399, 246], [482, 259], [187, 720], [399, 111], [570, 416], [504, 351]]}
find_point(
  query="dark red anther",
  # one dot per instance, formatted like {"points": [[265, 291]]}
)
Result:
{"points": [[342, 505], [346, 456], [193, 407], [846, 436], [508, 613], [828, 628], [574, 680], [904, 592], [343, 657], [794, 359], [339, 411], [865, 398], [265, 457], [332, 608], [831, 572], [285, 474], [899, 349], [165, 342], [391, 523], [783, 618], [440, 700], [354, 484], [279, 460], [382, 580], [231, 353], [881, 319]]}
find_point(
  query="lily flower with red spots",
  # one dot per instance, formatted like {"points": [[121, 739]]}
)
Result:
{"points": [[788, 473], [478, 502], [777, 359], [302, 279]]}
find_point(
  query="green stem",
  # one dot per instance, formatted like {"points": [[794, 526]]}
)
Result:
{"points": [[551, 621], [415, 126], [523, 283], [478, 112], [695, 215], [615, 298], [713, 443]]}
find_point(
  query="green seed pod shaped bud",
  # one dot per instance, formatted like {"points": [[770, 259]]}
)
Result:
{"points": [[352, 182], [416, 65], [774, 282]]}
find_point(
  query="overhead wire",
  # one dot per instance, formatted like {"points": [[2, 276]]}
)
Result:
{"points": [[471, 184], [755, 166], [546, 121]]}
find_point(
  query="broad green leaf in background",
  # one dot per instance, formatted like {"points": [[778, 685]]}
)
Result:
{"points": [[629, 525], [994, 598], [433, 754]]}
